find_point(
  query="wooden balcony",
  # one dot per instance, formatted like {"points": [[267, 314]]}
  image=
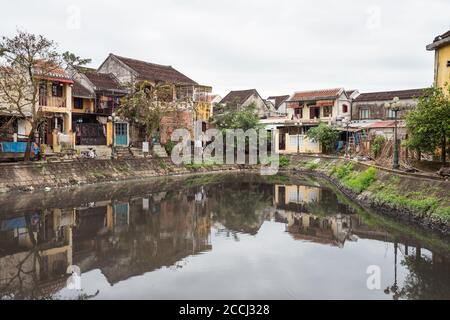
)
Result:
{"points": [[52, 102]]}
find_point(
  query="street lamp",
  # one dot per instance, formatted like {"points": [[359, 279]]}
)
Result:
{"points": [[346, 122], [299, 124], [113, 120], [395, 106]]}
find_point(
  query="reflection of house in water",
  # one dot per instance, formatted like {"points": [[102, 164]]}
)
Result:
{"points": [[313, 214], [35, 251], [125, 239]]}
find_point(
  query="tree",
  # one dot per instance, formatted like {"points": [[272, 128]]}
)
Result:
{"points": [[429, 123], [146, 105], [326, 135], [233, 117], [25, 60], [74, 61]]}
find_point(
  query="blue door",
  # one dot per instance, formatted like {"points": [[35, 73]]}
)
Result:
{"points": [[121, 134]]}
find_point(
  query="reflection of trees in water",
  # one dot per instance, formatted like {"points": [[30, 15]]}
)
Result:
{"points": [[428, 278], [240, 207], [23, 281]]}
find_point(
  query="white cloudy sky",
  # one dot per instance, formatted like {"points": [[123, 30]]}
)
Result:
{"points": [[276, 46]]}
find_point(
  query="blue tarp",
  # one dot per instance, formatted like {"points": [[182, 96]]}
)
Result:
{"points": [[17, 147], [15, 223]]}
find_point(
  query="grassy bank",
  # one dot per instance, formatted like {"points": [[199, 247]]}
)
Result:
{"points": [[420, 198]]}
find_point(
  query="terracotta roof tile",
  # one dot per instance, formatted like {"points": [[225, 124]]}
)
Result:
{"points": [[156, 72], [316, 94]]}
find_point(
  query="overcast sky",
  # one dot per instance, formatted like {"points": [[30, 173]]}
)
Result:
{"points": [[275, 46]]}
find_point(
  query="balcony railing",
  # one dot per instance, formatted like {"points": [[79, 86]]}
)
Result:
{"points": [[56, 102]]}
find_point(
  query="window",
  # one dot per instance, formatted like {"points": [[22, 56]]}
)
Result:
{"points": [[448, 63], [327, 111], [364, 113], [57, 90], [344, 108], [78, 103], [390, 114], [314, 112], [298, 113]]}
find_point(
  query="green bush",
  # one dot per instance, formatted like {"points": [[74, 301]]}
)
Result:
{"points": [[343, 170], [359, 182], [284, 161]]}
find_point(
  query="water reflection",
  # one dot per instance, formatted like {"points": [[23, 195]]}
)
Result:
{"points": [[127, 238]]}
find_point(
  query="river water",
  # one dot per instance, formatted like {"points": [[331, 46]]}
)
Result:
{"points": [[212, 237]]}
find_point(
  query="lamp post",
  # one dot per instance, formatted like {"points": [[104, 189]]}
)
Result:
{"points": [[395, 106], [299, 124], [113, 120], [346, 122]]}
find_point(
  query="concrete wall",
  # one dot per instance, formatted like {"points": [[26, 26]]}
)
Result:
{"points": [[261, 108], [122, 73]]}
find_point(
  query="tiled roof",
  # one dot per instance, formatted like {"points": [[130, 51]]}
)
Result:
{"points": [[51, 72], [79, 91], [316, 94], [442, 36], [156, 72], [440, 41], [385, 124], [349, 92], [389, 95], [278, 100], [240, 95], [103, 81]]}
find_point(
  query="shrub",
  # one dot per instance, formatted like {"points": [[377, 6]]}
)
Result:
{"points": [[326, 135], [284, 161], [344, 170]]}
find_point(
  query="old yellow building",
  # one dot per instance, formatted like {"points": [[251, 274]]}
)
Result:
{"points": [[441, 47]]}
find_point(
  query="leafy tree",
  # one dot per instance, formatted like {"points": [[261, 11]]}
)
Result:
{"points": [[326, 135], [146, 105], [231, 116], [429, 123], [73, 60]]}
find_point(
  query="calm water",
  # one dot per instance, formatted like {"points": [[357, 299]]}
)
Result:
{"points": [[212, 237]]}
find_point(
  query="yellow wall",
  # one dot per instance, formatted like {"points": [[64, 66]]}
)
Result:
{"points": [[442, 71], [302, 194], [109, 133], [88, 106], [203, 110], [307, 146]]}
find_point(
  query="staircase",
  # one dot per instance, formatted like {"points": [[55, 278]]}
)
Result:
{"points": [[159, 151], [122, 153]]}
